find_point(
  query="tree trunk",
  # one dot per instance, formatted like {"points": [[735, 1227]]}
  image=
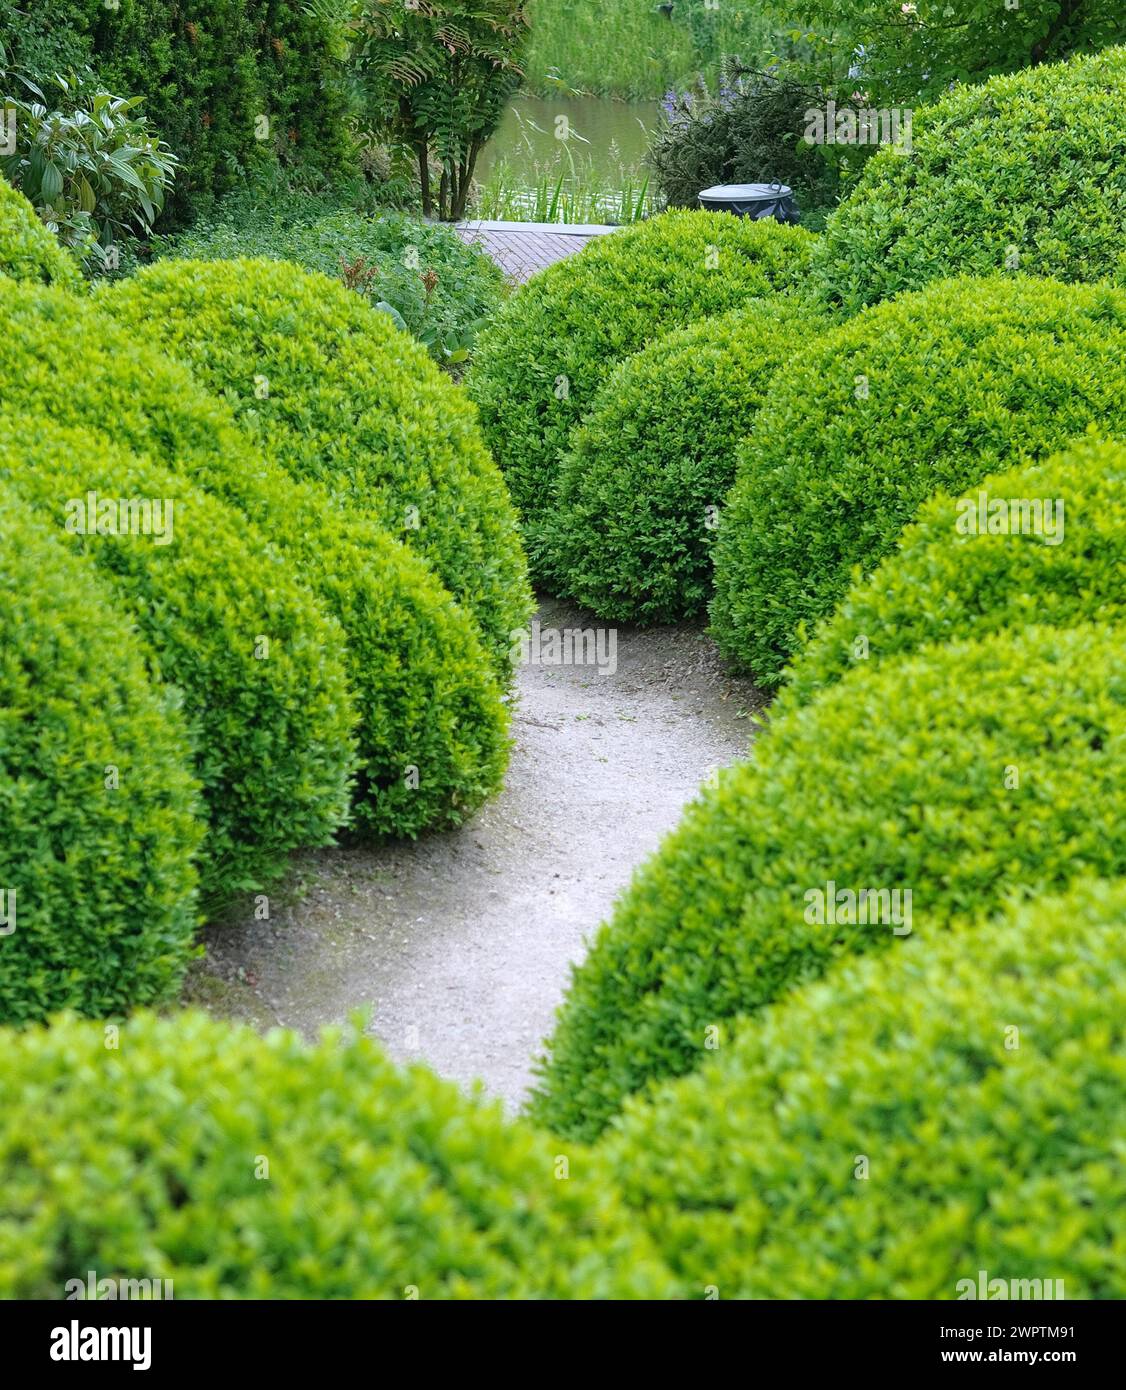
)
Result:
{"points": [[1062, 21], [457, 192], [466, 180], [424, 179]]}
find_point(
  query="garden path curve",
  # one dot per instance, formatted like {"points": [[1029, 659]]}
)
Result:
{"points": [[460, 944]]}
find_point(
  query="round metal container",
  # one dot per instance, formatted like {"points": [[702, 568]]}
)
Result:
{"points": [[757, 200]]}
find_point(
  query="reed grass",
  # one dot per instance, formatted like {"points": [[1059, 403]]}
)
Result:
{"points": [[561, 194], [575, 185]]}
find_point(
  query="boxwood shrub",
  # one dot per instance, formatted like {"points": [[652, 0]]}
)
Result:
{"points": [[238, 1166], [103, 881], [906, 1123], [334, 392], [432, 730], [258, 661], [963, 774], [641, 486], [28, 251], [946, 584], [544, 355], [931, 391], [1024, 171]]}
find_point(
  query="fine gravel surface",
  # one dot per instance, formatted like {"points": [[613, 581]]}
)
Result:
{"points": [[459, 945]]}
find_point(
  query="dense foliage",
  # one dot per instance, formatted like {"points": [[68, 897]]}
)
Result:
{"points": [[948, 583], [97, 886], [963, 775], [1024, 172], [237, 88], [642, 485], [238, 1166], [44, 46], [424, 275], [544, 355], [906, 1123], [931, 391], [259, 663], [432, 728], [920, 49], [335, 393], [28, 251]]}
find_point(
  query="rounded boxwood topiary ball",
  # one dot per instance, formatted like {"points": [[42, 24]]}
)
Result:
{"points": [[962, 775], [950, 580], [906, 1123], [932, 391], [641, 487], [330, 389], [258, 661], [1023, 172], [266, 1168], [28, 251], [432, 729], [97, 883], [539, 363]]}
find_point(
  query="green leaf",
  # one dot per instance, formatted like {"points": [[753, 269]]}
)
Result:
{"points": [[86, 198], [396, 318], [51, 184]]}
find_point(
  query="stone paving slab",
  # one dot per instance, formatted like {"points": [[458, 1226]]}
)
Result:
{"points": [[522, 248]]}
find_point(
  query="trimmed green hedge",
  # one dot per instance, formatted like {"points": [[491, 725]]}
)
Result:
{"points": [[335, 393], [641, 486], [238, 1166], [28, 251], [980, 1076], [932, 391], [551, 346], [963, 774], [260, 664], [103, 878], [1029, 164], [948, 584], [421, 680]]}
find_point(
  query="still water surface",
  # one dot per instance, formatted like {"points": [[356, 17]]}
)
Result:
{"points": [[605, 135]]}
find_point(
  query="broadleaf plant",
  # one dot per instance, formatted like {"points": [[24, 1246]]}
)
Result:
{"points": [[91, 167]]}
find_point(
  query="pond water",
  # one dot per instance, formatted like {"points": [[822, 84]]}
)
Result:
{"points": [[604, 136]]}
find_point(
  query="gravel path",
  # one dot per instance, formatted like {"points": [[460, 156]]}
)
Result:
{"points": [[460, 944]]}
